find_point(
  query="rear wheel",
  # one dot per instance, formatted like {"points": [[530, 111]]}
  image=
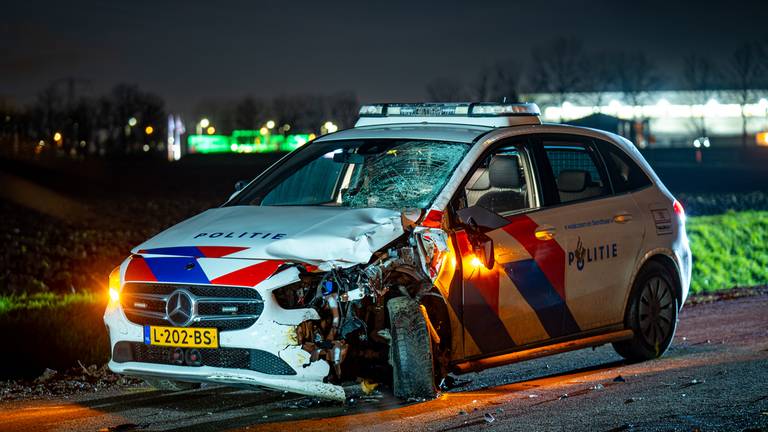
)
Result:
{"points": [[169, 385], [651, 314], [413, 370]]}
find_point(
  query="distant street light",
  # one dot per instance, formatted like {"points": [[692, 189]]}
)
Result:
{"points": [[57, 136], [211, 130], [270, 124], [329, 127], [264, 130], [201, 125], [132, 121], [149, 130]]}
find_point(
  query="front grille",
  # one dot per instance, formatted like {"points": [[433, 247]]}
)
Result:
{"points": [[224, 308], [230, 358]]}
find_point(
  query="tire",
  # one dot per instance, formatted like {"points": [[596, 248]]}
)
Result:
{"points": [[410, 351], [651, 314], [168, 385]]}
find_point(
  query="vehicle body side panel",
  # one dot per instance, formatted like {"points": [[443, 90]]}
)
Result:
{"points": [[600, 255]]}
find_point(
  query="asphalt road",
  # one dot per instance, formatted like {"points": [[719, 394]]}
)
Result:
{"points": [[715, 377]]}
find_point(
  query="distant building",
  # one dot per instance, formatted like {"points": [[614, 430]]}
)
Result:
{"points": [[664, 118]]}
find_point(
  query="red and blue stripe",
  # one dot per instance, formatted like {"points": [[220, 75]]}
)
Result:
{"points": [[171, 269]]}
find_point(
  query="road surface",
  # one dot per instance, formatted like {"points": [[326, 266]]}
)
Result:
{"points": [[715, 377]]}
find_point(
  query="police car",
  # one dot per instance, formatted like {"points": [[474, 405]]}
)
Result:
{"points": [[429, 239]]}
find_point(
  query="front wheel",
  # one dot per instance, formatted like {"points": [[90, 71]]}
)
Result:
{"points": [[651, 314], [411, 355]]}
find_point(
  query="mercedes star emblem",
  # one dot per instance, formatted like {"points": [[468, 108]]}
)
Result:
{"points": [[179, 308]]}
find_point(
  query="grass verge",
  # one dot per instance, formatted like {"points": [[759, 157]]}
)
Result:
{"points": [[52, 333], [729, 250]]}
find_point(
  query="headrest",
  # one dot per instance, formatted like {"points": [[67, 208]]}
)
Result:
{"points": [[504, 172], [573, 180], [479, 180]]}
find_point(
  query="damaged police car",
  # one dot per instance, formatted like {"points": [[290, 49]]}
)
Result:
{"points": [[429, 239]]}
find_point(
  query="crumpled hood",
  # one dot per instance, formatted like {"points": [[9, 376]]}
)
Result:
{"points": [[315, 235]]}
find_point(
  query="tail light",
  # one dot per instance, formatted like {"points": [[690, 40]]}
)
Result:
{"points": [[679, 210]]}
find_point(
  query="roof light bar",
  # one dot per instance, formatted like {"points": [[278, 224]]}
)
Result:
{"points": [[491, 109], [372, 110], [464, 109]]}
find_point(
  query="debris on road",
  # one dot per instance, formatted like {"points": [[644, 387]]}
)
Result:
{"points": [[125, 427], [368, 386], [693, 382], [619, 379], [46, 376], [489, 418], [74, 381]]}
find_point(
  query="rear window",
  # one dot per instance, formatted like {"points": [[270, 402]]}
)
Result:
{"points": [[626, 175]]}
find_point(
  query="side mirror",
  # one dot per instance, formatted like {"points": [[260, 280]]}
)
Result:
{"points": [[482, 245], [480, 219], [477, 221], [240, 185], [483, 249]]}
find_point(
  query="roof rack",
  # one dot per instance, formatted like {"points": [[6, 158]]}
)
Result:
{"points": [[470, 113]]}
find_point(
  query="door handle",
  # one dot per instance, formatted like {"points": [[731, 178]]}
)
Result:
{"points": [[545, 233], [622, 218]]}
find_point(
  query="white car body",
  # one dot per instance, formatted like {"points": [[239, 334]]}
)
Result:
{"points": [[244, 246]]}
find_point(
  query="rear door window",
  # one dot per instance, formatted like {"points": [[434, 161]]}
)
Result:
{"points": [[576, 169]]}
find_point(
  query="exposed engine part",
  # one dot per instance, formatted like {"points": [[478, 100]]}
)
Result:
{"points": [[351, 302]]}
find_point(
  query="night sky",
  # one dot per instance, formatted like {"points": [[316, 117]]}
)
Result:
{"points": [[192, 51]]}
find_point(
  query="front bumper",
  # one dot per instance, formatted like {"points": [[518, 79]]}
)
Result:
{"points": [[274, 332], [231, 377]]}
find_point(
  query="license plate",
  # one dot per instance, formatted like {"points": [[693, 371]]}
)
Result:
{"points": [[184, 337]]}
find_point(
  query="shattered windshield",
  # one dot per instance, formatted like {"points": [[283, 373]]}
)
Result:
{"points": [[392, 174]]}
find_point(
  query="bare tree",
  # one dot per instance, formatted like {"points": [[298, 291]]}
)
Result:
{"points": [[343, 109], [636, 76], [481, 87], [557, 68], [126, 101], [599, 76], [446, 90], [745, 74], [304, 112], [250, 113], [701, 78], [506, 77]]}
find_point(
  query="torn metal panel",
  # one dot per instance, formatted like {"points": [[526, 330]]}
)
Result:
{"points": [[433, 249], [322, 236]]}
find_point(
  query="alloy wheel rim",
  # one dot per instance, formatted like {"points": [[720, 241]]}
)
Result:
{"points": [[656, 312]]}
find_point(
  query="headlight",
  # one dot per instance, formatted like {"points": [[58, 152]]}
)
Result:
{"points": [[114, 285]]}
